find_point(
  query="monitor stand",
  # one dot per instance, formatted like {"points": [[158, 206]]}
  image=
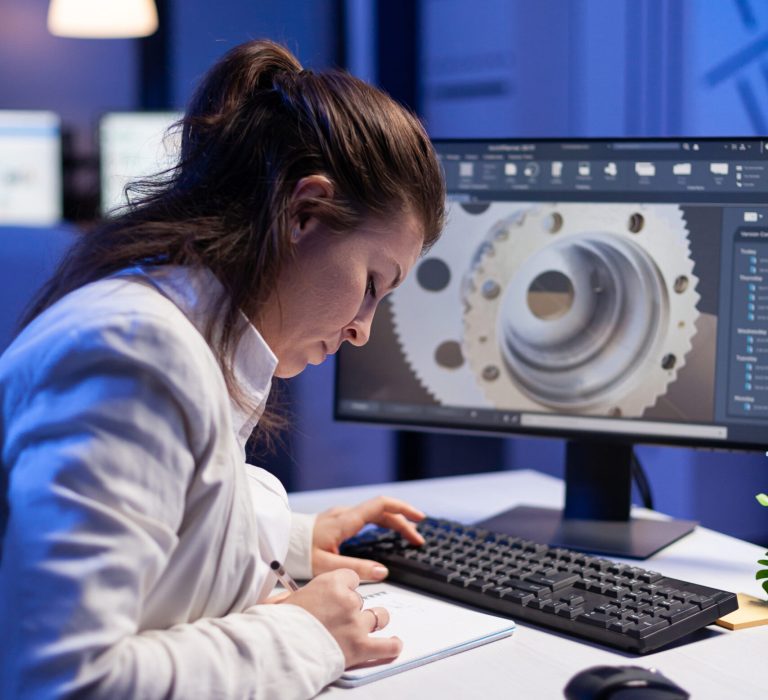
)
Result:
{"points": [[596, 518]]}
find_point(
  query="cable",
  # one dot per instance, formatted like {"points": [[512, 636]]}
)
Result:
{"points": [[643, 486]]}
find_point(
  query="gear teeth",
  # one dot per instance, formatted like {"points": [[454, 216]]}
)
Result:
{"points": [[424, 385], [423, 318]]}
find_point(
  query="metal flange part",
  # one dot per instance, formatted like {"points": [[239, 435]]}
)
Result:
{"points": [[595, 310], [566, 307]]}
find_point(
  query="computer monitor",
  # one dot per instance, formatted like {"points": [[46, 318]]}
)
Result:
{"points": [[134, 146], [606, 291], [30, 168]]}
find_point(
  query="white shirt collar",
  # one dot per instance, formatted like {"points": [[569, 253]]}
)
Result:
{"points": [[198, 294]]}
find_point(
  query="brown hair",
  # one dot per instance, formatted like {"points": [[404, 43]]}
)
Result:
{"points": [[256, 125]]}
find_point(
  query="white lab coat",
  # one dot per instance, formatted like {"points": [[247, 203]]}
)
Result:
{"points": [[137, 545]]}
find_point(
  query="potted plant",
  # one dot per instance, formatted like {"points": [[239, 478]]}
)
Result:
{"points": [[763, 573]]}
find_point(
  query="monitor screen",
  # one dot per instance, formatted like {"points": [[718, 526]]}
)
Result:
{"points": [[134, 146], [611, 291], [30, 168]]}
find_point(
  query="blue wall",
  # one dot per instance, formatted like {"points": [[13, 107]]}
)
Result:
{"points": [[611, 68], [489, 67]]}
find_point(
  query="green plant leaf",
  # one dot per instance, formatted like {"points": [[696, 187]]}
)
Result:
{"points": [[762, 499], [765, 586], [762, 574], [764, 562]]}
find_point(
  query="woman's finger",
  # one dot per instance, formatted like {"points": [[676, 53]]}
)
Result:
{"points": [[366, 569], [406, 528], [372, 510], [379, 619], [343, 575], [382, 649]]}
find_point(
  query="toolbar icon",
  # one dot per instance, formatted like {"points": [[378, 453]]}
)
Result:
{"points": [[531, 169], [645, 169]]}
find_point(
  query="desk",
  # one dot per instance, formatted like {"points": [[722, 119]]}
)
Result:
{"points": [[713, 664]]}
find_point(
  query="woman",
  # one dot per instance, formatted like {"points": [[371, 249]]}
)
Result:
{"points": [[137, 543]]}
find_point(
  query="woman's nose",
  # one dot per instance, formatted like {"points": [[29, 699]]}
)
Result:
{"points": [[359, 330]]}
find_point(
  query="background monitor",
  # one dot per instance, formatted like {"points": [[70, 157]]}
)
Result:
{"points": [[606, 291], [30, 168], [133, 146]]}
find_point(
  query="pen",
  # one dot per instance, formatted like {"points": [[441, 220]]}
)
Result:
{"points": [[283, 576]]}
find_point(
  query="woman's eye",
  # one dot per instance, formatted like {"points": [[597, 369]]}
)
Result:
{"points": [[371, 288]]}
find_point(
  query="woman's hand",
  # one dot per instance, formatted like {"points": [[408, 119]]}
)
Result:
{"points": [[334, 526], [332, 599]]}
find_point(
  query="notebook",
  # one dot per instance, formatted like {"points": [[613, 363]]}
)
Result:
{"points": [[430, 628]]}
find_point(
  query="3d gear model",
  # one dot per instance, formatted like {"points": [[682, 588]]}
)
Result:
{"points": [[586, 309]]}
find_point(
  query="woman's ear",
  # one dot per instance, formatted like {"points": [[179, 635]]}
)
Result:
{"points": [[307, 189]]}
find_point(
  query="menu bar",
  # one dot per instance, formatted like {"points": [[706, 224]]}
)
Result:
{"points": [[628, 166]]}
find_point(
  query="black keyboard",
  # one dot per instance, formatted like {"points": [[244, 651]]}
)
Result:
{"points": [[607, 602]]}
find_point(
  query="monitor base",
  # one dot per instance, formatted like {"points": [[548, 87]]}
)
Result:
{"points": [[635, 538]]}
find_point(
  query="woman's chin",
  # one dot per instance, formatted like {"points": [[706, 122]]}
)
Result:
{"points": [[285, 371]]}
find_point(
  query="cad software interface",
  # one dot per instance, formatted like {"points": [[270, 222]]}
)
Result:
{"points": [[597, 286]]}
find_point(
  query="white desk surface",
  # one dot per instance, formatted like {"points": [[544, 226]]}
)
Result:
{"points": [[713, 664]]}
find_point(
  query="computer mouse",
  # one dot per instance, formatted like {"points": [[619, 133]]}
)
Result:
{"points": [[622, 683]]}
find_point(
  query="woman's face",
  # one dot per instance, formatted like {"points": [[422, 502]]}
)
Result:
{"points": [[329, 291]]}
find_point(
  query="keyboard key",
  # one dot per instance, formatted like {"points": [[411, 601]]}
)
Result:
{"points": [[596, 619], [682, 613], [683, 596], [616, 591], [573, 599], [516, 596], [643, 629], [481, 585], [620, 626], [608, 609], [597, 587], [553, 606], [650, 576], [534, 588], [703, 601], [570, 613], [634, 584], [555, 581]]}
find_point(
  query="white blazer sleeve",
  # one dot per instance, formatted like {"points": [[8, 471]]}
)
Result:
{"points": [[299, 559], [100, 451]]}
